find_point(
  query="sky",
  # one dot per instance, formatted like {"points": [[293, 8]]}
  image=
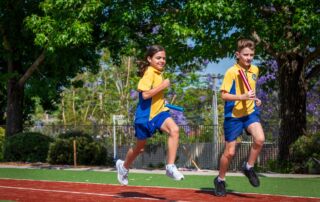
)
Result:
{"points": [[222, 66], [219, 67]]}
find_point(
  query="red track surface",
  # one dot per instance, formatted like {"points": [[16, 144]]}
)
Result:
{"points": [[30, 190]]}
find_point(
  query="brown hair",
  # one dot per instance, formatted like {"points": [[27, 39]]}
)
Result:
{"points": [[143, 64], [246, 43]]}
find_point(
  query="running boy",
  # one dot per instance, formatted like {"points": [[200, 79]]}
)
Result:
{"points": [[152, 115], [240, 113]]}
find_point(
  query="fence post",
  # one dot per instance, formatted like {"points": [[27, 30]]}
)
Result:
{"points": [[114, 138], [215, 123], [115, 120], [74, 153]]}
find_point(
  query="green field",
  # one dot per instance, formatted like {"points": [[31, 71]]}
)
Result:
{"points": [[269, 185]]}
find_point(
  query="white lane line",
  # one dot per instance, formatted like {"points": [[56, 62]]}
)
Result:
{"points": [[76, 192]]}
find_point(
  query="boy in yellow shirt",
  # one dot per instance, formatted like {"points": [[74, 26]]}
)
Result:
{"points": [[240, 113]]}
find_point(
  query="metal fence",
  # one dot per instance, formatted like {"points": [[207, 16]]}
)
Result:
{"points": [[197, 146]]}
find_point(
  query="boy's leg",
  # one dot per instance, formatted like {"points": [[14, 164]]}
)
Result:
{"points": [[170, 127], [219, 181], [123, 166], [226, 158], [255, 129]]}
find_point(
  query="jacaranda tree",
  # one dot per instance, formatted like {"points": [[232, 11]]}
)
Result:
{"points": [[286, 31]]}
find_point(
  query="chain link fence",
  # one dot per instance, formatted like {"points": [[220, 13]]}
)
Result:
{"points": [[197, 148]]}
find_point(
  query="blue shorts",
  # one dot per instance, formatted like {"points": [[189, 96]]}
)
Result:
{"points": [[146, 130], [233, 127]]}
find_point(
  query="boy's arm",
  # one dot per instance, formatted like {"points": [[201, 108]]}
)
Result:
{"points": [[150, 93], [250, 95]]}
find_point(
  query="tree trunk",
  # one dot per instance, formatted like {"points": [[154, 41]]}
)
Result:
{"points": [[14, 122], [15, 96], [293, 90], [2, 109]]}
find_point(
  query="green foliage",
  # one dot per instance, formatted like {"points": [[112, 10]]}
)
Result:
{"points": [[277, 166], [2, 132], [46, 36], [74, 135], [64, 23], [38, 114], [89, 152], [305, 154], [135, 25], [27, 147], [305, 157]]}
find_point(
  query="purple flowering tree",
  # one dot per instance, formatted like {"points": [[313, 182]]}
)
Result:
{"points": [[268, 92]]}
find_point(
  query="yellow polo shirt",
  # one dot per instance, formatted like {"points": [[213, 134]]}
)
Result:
{"points": [[149, 108], [233, 84]]}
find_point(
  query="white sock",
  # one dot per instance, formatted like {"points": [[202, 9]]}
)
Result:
{"points": [[248, 166]]}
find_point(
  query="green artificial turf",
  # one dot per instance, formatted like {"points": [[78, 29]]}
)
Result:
{"points": [[277, 186]]}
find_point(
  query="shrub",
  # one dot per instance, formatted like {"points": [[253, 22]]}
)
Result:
{"points": [[89, 152], [27, 147], [305, 154], [2, 132], [60, 152], [74, 134], [278, 166]]}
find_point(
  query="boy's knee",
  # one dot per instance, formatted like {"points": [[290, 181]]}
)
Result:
{"points": [[229, 154], [259, 142]]}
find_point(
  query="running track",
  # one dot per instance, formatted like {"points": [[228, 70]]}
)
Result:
{"points": [[31, 190]]}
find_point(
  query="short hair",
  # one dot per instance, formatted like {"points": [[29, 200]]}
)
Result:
{"points": [[246, 43]]}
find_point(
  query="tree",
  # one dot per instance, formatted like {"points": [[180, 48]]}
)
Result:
{"points": [[42, 44], [95, 97], [2, 97], [193, 32], [286, 31], [130, 26], [44, 36]]}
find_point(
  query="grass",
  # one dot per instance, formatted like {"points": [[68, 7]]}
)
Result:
{"points": [[308, 187]]}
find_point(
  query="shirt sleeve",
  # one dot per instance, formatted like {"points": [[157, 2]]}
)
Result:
{"points": [[227, 81], [146, 81]]}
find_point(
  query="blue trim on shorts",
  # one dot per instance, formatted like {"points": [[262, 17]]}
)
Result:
{"points": [[233, 127], [146, 130]]}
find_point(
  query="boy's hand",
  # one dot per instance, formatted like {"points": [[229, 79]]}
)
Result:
{"points": [[258, 102], [250, 95]]}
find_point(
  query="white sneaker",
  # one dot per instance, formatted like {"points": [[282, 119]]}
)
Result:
{"points": [[172, 172], [122, 172]]}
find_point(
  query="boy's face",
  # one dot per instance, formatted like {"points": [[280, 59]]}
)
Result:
{"points": [[245, 57], [158, 60]]}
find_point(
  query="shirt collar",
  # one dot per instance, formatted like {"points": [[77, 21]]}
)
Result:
{"points": [[239, 67], [155, 70]]}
